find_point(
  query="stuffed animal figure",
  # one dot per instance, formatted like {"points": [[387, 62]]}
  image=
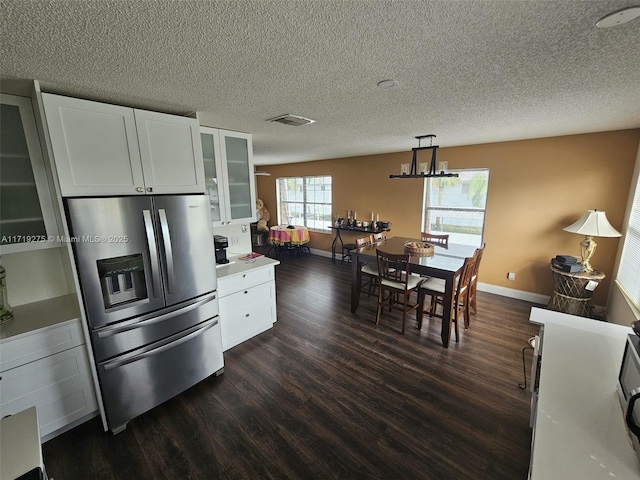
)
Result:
{"points": [[263, 216]]}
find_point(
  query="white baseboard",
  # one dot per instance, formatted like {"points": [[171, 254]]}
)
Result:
{"points": [[320, 253], [513, 293]]}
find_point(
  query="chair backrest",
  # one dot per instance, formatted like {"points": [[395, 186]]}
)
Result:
{"points": [[379, 237], [394, 267], [364, 241], [465, 277], [476, 265], [440, 239]]}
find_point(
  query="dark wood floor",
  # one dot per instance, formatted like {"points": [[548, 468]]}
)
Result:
{"points": [[327, 394]]}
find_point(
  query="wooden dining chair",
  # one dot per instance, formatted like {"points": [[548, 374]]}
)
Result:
{"points": [[396, 285], [435, 287], [369, 271], [473, 286], [379, 237], [440, 239], [364, 241]]}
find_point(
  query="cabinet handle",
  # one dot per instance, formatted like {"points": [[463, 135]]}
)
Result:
{"points": [[247, 315], [244, 275], [140, 189], [245, 292], [149, 189]]}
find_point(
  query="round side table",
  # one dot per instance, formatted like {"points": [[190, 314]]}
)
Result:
{"points": [[569, 292]]}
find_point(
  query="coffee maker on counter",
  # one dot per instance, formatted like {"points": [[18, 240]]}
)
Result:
{"points": [[221, 243]]}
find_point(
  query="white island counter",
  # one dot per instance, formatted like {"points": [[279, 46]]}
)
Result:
{"points": [[579, 430]]}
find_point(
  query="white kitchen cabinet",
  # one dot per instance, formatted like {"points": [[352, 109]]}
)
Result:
{"points": [[247, 299], [47, 367], [228, 165], [27, 218], [102, 149]]}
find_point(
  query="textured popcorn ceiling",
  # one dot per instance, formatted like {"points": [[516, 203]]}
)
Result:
{"points": [[469, 71]]}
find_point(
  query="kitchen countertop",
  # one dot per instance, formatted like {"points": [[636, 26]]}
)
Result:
{"points": [[20, 444], [45, 313], [579, 427], [241, 266]]}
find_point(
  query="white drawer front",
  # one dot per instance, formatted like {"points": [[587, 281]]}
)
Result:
{"points": [[262, 294], [229, 285], [59, 386], [246, 323], [40, 344]]}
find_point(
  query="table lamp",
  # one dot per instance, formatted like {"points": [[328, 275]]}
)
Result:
{"points": [[594, 223]]}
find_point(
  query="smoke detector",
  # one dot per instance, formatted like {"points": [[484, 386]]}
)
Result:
{"points": [[291, 120]]}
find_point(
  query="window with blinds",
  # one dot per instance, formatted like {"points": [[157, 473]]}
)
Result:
{"points": [[305, 201], [456, 206], [628, 277]]}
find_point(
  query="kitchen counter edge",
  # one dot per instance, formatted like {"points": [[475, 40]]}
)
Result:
{"points": [[242, 266]]}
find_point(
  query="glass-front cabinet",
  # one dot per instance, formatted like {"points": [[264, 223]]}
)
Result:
{"points": [[228, 167], [27, 218], [214, 185]]}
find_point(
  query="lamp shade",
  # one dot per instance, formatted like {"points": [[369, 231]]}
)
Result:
{"points": [[594, 223]]}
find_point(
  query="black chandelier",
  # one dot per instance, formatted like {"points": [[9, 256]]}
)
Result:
{"points": [[413, 173]]}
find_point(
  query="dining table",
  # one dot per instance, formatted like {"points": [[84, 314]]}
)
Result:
{"points": [[293, 234], [290, 239], [445, 263]]}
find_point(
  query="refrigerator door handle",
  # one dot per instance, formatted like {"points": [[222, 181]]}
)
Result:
{"points": [[166, 238], [150, 319], [172, 341], [153, 252]]}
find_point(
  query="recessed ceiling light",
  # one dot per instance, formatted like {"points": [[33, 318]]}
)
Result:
{"points": [[388, 84], [618, 18]]}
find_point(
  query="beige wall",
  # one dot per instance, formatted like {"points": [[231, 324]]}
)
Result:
{"points": [[536, 188]]}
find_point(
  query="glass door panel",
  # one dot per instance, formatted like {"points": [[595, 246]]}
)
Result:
{"points": [[213, 174], [20, 210], [240, 177]]}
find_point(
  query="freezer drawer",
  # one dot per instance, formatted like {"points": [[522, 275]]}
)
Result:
{"points": [[138, 381], [122, 337]]}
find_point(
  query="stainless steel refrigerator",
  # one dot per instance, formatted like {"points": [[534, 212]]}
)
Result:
{"points": [[147, 271]]}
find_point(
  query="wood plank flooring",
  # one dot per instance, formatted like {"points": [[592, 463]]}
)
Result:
{"points": [[327, 394]]}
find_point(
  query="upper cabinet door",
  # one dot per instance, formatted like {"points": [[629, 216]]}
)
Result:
{"points": [[237, 154], [27, 218], [171, 153], [95, 147], [214, 183]]}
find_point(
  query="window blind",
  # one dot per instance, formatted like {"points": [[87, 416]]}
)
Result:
{"points": [[305, 201], [456, 206], [629, 269]]}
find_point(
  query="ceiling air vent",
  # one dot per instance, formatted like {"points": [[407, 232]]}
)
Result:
{"points": [[291, 120]]}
